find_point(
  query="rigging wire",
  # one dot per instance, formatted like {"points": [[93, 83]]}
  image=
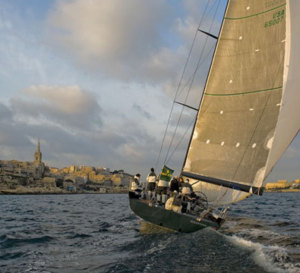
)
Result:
{"points": [[207, 55], [179, 84], [188, 82], [191, 84], [181, 139]]}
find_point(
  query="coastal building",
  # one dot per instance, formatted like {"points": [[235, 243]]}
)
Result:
{"points": [[21, 175], [121, 180], [97, 178], [13, 169], [53, 170], [296, 184], [103, 170], [280, 184]]}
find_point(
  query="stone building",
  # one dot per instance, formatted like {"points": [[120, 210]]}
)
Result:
{"points": [[296, 184], [36, 174], [280, 184], [120, 180]]}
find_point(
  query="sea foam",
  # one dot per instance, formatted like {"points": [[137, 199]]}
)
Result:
{"points": [[273, 259]]}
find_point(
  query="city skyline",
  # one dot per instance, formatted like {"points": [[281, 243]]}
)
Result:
{"points": [[94, 80]]}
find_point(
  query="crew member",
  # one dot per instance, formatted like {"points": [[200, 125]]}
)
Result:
{"points": [[181, 182], [135, 184], [188, 195], [186, 187], [151, 179], [174, 185], [162, 189]]}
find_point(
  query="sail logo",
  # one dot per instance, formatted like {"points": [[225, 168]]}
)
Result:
{"points": [[277, 18]]}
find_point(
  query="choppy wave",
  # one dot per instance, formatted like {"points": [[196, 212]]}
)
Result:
{"points": [[99, 233], [274, 242], [270, 257], [8, 241]]}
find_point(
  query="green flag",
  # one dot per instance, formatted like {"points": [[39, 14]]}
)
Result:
{"points": [[166, 174]]}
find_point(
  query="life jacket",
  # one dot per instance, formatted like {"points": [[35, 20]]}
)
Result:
{"points": [[186, 190], [151, 178], [135, 184], [163, 183]]}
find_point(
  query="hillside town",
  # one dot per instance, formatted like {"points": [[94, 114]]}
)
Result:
{"points": [[35, 177], [23, 177], [283, 185]]}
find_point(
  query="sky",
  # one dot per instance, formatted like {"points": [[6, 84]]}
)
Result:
{"points": [[94, 80]]}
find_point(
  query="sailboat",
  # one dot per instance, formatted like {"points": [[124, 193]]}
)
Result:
{"points": [[248, 115]]}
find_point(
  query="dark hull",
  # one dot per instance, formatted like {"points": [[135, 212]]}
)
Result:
{"points": [[168, 218]]}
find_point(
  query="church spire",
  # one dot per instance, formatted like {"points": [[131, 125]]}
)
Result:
{"points": [[38, 154]]}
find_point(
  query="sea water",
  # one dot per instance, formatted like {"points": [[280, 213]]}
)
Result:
{"points": [[99, 233]]}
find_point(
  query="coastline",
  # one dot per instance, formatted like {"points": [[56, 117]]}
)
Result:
{"points": [[108, 190], [283, 190], [43, 191]]}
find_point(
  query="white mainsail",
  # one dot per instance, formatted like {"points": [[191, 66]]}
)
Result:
{"points": [[252, 90]]}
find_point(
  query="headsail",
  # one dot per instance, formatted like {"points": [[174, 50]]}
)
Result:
{"points": [[289, 119], [242, 111]]}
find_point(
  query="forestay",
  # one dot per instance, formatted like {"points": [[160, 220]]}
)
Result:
{"points": [[242, 129]]}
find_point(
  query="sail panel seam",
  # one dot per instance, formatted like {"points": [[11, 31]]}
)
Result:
{"points": [[256, 14], [243, 93]]}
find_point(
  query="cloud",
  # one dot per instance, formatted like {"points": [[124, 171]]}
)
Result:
{"points": [[123, 39], [133, 41], [5, 113], [65, 106], [12, 140], [62, 118], [142, 112]]}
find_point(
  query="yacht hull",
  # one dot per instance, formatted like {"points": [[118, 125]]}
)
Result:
{"points": [[168, 218]]}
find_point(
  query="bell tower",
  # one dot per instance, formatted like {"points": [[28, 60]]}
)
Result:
{"points": [[38, 154]]}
